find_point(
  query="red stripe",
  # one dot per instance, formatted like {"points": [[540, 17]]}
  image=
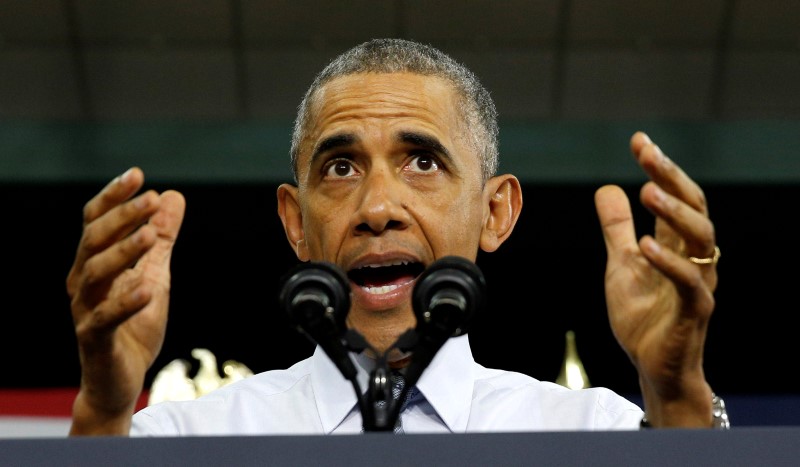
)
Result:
{"points": [[52, 402]]}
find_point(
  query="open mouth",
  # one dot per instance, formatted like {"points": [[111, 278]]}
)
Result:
{"points": [[381, 279]]}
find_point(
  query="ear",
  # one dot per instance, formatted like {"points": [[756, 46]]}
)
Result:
{"points": [[292, 218], [503, 196]]}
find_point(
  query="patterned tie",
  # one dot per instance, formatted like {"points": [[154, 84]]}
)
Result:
{"points": [[398, 382]]}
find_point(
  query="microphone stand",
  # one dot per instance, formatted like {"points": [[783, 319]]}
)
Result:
{"points": [[379, 410], [424, 342], [315, 295]]}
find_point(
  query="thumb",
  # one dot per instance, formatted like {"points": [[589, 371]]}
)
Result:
{"points": [[616, 221]]}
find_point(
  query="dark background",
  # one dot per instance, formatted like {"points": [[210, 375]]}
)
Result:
{"points": [[202, 93], [547, 279]]}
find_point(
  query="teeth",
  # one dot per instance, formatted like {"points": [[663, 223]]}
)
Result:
{"points": [[380, 290], [390, 263]]}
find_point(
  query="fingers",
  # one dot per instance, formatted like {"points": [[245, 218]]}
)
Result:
{"points": [[100, 270], [111, 215], [689, 231], [92, 325], [119, 233], [665, 173], [678, 202], [696, 282], [107, 246], [118, 190]]}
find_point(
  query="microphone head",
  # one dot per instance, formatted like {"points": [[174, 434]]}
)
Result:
{"points": [[447, 295], [316, 296]]}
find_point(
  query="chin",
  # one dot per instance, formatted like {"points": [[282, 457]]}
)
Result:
{"points": [[394, 357], [382, 332]]}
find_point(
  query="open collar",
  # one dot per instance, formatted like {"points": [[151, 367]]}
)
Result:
{"points": [[447, 385]]}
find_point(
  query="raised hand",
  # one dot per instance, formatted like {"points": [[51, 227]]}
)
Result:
{"points": [[119, 288], [660, 288]]}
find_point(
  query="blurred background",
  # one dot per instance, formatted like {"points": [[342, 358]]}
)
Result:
{"points": [[202, 93]]}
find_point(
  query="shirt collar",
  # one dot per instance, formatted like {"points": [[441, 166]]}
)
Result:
{"points": [[448, 381], [334, 394], [446, 384]]}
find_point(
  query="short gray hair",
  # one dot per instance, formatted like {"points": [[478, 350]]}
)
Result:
{"points": [[400, 55]]}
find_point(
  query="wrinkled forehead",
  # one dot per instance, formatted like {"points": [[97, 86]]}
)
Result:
{"points": [[405, 99], [395, 92]]}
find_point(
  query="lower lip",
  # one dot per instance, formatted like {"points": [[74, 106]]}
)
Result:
{"points": [[381, 301]]}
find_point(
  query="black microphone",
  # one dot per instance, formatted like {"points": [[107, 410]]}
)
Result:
{"points": [[447, 296], [316, 296]]}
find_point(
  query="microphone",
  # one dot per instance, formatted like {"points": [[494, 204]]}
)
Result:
{"points": [[316, 296], [447, 295]]}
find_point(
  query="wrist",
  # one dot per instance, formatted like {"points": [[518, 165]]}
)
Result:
{"points": [[89, 419], [719, 415]]}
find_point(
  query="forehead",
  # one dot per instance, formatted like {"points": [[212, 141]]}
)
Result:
{"points": [[385, 100], [399, 88]]}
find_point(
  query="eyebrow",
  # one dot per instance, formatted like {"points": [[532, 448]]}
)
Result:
{"points": [[332, 142], [425, 141]]}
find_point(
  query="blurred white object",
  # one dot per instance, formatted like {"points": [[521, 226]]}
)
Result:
{"points": [[173, 382], [234, 371], [207, 378]]}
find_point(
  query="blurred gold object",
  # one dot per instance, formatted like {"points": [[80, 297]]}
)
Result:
{"points": [[572, 375], [173, 383]]}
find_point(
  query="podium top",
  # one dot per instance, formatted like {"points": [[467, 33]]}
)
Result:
{"points": [[745, 446]]}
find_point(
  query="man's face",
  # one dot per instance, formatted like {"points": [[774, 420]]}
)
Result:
{"points": [[387, 184]]}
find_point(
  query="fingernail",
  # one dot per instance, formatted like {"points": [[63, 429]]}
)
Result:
{"points": [[125, 176]]}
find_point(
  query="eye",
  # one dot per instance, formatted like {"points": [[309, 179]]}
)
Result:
{"points": [[339, 168], [424, 163]]}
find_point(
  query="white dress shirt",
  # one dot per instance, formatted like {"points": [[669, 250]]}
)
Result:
{"points": [[457, 395]]}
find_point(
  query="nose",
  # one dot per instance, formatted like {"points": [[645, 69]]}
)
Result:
{"points": [[382, 206]]}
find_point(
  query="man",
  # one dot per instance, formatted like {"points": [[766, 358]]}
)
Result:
{"points": [[394, 154]]}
